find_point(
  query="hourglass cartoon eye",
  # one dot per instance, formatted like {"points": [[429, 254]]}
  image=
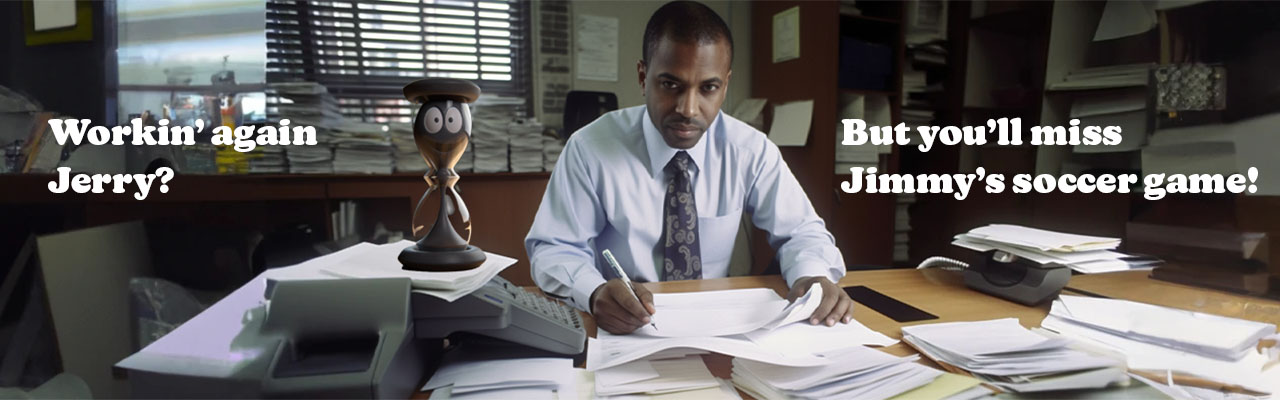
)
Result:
{"points": [[433, 121], [453, 120]]}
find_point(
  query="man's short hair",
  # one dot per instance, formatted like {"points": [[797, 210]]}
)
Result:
{"points": [[685, 22]]}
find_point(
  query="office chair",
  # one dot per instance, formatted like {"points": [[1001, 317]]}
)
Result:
{"points": [[582, 107]]}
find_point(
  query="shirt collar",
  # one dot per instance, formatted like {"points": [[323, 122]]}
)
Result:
{"points": [[660, 153]]}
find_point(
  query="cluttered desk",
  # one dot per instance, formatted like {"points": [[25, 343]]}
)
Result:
{"points": [[219, 352], [405, 318]]}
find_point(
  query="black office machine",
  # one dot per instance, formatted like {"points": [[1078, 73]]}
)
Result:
{"points": [[504, 311], [1008, 276]]}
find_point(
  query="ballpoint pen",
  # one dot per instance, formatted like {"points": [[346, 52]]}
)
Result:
{"points": [[617, 269]]}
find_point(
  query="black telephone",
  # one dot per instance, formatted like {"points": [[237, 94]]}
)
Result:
{"points": [[1008, 276]]}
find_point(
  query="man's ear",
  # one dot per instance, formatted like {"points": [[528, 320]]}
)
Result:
{"points": [[640, 72]]}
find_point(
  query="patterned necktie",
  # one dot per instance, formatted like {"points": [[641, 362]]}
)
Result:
{"points": [[682, 256]]}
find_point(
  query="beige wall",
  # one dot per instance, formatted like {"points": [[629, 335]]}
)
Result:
{"points": [[632, 16]]}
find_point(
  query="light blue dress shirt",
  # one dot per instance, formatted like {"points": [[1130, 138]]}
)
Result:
{"points": [[607, 190]]}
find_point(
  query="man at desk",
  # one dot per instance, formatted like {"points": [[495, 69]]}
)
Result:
{"points": [[663, 187]]}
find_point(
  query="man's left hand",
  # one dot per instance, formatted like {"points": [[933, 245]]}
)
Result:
{"points": [[836, 304]]}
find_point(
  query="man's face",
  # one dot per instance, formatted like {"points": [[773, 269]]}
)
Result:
{"points": [[684, 85]]}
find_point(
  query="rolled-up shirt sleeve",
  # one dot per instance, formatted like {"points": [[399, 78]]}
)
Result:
{"points": [[560, 256], [779, 206]]}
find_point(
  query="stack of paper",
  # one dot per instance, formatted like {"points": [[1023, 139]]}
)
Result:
{"points": [[875, 111], [381, 261], [1084, 254], [1004, 354], [521, 378], [526, 145], [491, 117], [902, 227], [855, 373], [407, 157], [1113, 76], [655, 377], [309, 104], [1204, 334], [362, 148], [268, 160], [551, 148], [723, 391], [1162, 340]]}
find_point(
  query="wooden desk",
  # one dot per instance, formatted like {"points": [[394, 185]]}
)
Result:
{"points": [[1136, 286], [943, 293]]}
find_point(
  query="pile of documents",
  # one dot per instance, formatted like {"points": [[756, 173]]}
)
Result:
{"points": [[854, 373], [491, 117], [876, 112], [1166, 341], [551, 148], [368, 260], [1112, 76], [753, 325], [655, 377], [526, 145], [309, 104], [902, 227], [268, 160], [362, 148], [520, 378], [1081, 253], [1004, 354], [407, 157]]}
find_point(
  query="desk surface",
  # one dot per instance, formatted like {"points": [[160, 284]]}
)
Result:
{"points": [[943, 293]]}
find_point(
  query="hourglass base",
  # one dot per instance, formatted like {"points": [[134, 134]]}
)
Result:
{"points": [[416, 259]]}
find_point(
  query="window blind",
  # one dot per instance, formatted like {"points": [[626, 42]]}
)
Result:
{"points": [[366, 51]]}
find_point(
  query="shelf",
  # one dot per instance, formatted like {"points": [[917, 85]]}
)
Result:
{"points": [[870, 92], [1027, 21], [867, 18], [33, 188]]}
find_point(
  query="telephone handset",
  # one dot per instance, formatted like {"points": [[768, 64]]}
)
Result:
{"points": [[1008, 276]]}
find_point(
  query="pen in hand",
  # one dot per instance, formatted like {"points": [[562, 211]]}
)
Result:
{"points": [[617, 270]]}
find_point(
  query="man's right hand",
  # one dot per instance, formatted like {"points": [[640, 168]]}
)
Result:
{"points": [[617, 311]]}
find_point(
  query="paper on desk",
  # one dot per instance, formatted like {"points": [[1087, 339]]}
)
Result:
{"points": [[381, 261], [726, 312], [609, 350], [516, 373], [586, 391], [944, 387], [1205, 334], [791, 123], [631, 372], [672, 375], [804, 338], [1041, 239]]}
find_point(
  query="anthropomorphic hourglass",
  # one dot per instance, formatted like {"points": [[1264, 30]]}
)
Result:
{"points": [[442, 130]]}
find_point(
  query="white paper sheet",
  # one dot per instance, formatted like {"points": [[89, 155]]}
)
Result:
{"points": [[726, 312], [609, 350], [804, 338], [791, 123], [596, 44]]}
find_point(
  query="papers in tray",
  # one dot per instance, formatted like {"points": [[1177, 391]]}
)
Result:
{"points": [[1045, 247], [1042, 240], [1004, 354], [855, 372]]}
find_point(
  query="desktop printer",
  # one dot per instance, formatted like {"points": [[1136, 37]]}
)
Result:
{"points": [[347, 338], [1008, 276]]}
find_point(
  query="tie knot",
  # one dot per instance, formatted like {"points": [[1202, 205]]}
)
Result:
{"points": [[680, 162]]}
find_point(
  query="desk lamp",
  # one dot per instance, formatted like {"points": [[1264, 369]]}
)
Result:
{"points": [[442, 130]]}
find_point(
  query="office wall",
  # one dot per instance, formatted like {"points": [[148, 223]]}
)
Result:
{"points": [[632, 16]]}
